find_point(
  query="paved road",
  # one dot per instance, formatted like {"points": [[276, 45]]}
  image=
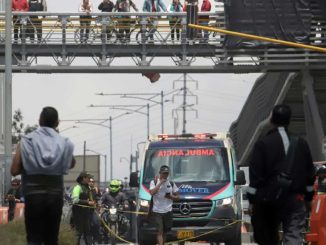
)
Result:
{"points": [[187, 243]]}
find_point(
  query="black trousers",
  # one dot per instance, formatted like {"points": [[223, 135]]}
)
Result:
{"points": [[82, 218], [35, 25], [175, 28], [85, 23], [17, 27], [267, 219], [124, 28], [42, 218]]}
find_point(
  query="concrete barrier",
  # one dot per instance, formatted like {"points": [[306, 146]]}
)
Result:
{"points": [[19, 211], [3, 215]]}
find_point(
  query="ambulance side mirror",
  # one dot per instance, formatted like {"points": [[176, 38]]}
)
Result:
{"points": [[240, 178], [134, 179]]}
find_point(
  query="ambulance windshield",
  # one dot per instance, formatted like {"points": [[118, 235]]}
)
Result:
{"points": [[188, 164]]}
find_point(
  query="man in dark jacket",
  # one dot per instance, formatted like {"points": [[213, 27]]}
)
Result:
{"points": [[267, 154], [82, 210]]}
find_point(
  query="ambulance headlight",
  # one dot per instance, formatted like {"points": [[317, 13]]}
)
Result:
{"points": [[143, 203], [224, 201]]}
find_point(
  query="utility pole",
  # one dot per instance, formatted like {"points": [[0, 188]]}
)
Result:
{"points": [[184, 107], [2, 82], [91, 122], [129, 111], [84, 157], [8, 97], [184, 121], [111, 146]]}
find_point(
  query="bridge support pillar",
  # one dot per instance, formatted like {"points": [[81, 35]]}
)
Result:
{"points": [[314, 124]]}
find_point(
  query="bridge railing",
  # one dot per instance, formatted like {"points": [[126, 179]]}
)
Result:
{"points": [[107, 28], [63, 40]]}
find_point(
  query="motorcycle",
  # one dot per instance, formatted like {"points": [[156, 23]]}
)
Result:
{"points": [[116, 224]]}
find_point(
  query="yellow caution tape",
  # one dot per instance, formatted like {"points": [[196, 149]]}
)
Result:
{"points": [[259, 38], [176, 241]]}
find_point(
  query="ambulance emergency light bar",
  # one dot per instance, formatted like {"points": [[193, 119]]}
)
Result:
{"points": [[178, 136]]}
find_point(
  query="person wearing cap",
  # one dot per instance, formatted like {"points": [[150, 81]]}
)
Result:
{"points": [[43, 157], [164, 192], [83, 208], [268, 161]]}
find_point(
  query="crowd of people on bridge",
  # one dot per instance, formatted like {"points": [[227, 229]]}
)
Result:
{"points": [[33, 27]]}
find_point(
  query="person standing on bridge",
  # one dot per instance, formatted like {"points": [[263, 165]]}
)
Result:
{"points": [[204, 20], [124, 21], [276, 156], [163, 192], [36, 21], [19, 6], [85, 20], [106, 6], [42, 158], [153, 6], [174, 21]]}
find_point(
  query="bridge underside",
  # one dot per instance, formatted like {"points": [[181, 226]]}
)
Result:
{"points": [[189, 58], [304, 91]]}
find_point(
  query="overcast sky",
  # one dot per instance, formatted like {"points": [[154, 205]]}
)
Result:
{"points": [[220, 99]]}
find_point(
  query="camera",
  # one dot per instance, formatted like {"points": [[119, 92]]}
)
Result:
{"points": [[168, 194]]}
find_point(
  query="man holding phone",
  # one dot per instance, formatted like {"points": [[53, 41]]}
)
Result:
{"points": [[164, 192]]}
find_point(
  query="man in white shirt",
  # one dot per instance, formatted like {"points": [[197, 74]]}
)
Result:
{"points": [[164, 192]]}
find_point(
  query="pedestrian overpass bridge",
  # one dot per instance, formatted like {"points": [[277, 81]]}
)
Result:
{"points": [[289, 75]]}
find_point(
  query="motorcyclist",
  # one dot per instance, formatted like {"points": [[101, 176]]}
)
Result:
{"points": [[115, 196]]}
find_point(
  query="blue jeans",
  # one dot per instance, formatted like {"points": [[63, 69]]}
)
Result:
{"points": [[42, 218]]}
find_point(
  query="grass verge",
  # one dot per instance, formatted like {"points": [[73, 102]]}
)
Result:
{"points": [[14, 233]]}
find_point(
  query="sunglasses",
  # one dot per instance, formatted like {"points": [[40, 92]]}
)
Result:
{"points": [[114, 186]]}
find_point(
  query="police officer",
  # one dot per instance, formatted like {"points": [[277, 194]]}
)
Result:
{"points": [[83, 205], [267, 153]]}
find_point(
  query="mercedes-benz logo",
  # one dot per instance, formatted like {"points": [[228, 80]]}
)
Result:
{"points": [[185, 208]]}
